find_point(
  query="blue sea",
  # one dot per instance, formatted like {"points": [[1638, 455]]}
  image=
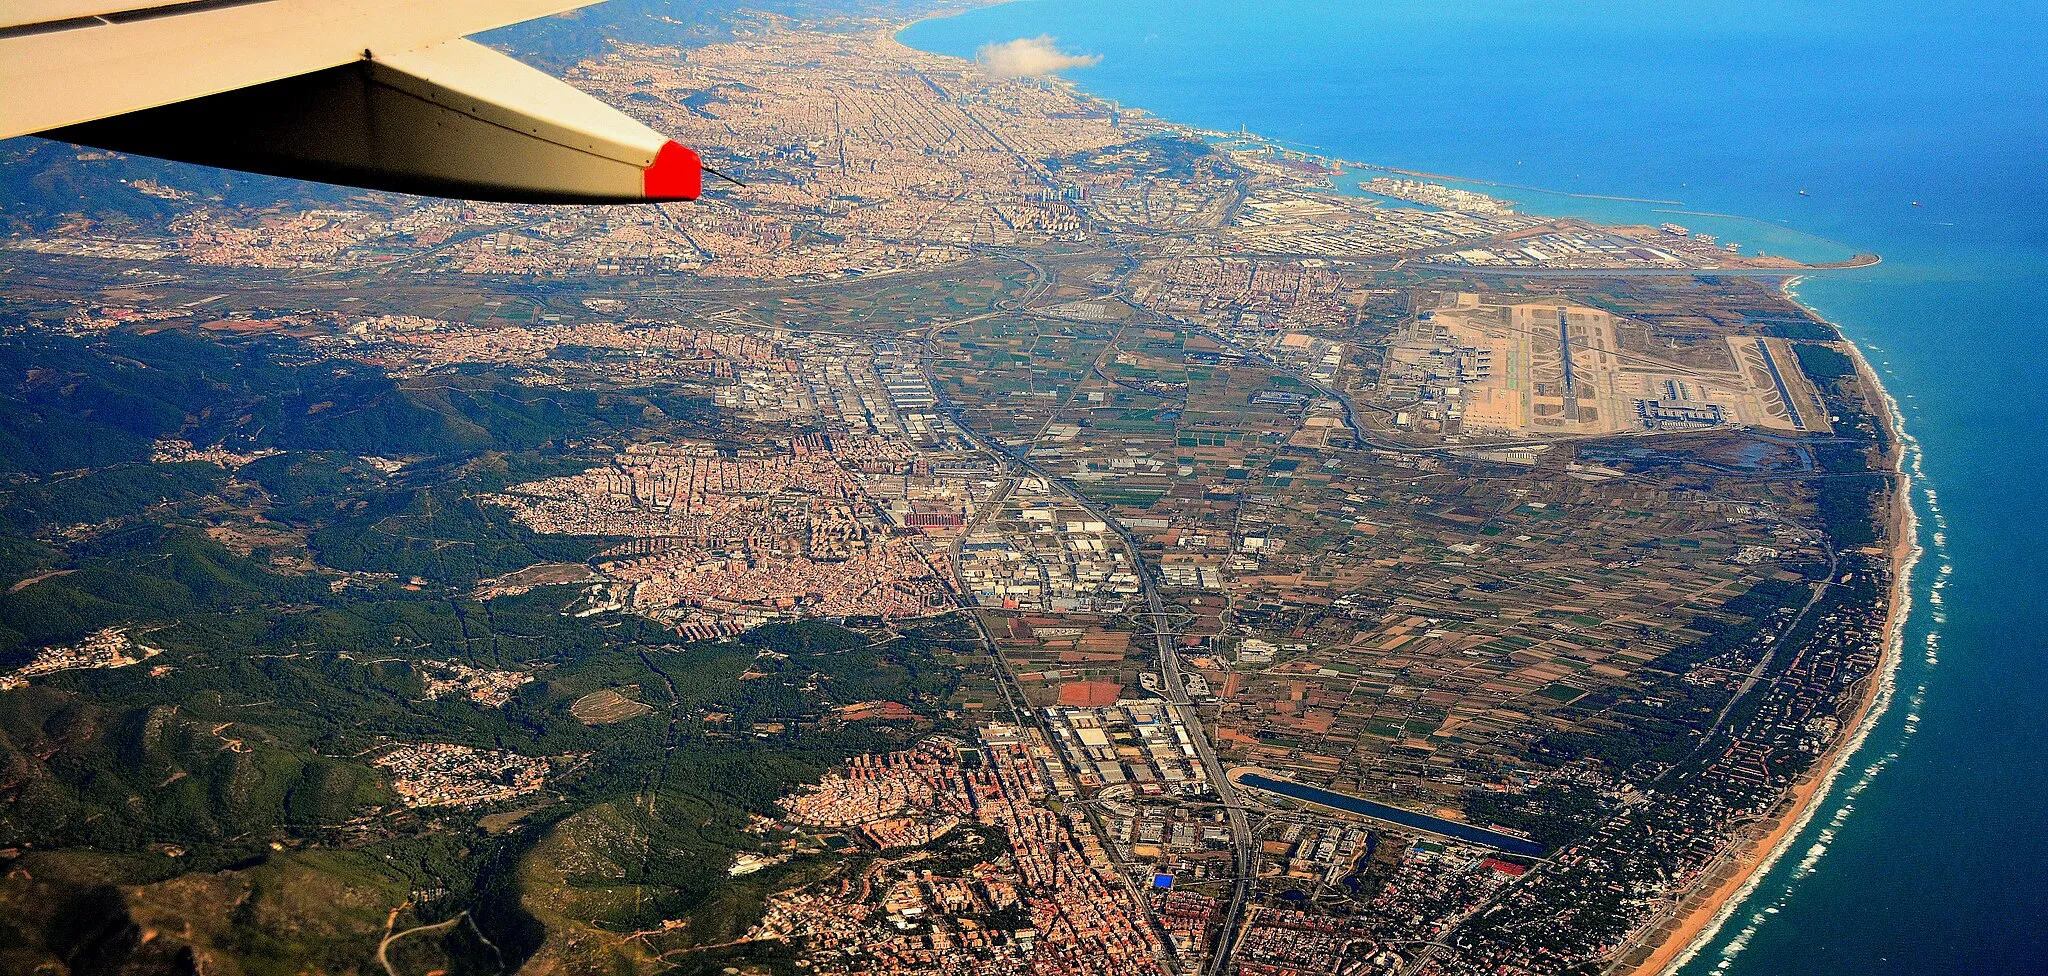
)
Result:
{"points": [[1930, 853]]}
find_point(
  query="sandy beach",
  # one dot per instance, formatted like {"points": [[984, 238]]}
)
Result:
{"points": [[1700, 917], [1729, 880]]}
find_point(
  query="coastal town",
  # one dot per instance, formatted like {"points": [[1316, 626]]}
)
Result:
{"points": [[1353, 582]]}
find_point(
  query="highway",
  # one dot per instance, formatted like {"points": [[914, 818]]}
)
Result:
{"points": [[1177, 697], [1169, 661]]}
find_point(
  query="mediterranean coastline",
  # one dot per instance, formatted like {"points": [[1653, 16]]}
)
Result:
{"points": [[1723, 894], [1091, 496], [1704, 910], [1711, 908]]}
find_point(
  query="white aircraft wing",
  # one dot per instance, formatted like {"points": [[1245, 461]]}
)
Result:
{"points": [[375, 93]]}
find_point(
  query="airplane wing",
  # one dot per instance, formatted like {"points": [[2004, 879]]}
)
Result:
{"points": [[375, 93]]}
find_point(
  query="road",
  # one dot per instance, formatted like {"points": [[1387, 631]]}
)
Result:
{"points": [[384, 948], [1169, 658], [1756, 674], [1177, 696]]}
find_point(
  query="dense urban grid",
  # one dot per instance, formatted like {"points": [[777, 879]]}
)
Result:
{"points": [[1014, 534]]}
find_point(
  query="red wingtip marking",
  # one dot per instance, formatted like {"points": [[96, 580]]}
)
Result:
{"points": [[676, 174]]}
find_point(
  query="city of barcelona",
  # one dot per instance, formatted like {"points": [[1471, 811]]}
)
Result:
{"points": [[992, 530]]}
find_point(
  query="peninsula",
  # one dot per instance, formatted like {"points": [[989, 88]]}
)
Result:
{"points": [[1013, 533]]}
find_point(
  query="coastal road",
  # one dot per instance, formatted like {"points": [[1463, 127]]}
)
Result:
{"points": [[1756, 674]]}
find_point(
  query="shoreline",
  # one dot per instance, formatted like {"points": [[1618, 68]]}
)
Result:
{"points": [[1856, 262], [1698, 926], [1419, 174]]}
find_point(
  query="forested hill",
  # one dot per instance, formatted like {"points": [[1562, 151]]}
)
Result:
{"points": [[292, 587]]}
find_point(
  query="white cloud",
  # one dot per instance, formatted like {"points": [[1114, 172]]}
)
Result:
{"points": [[1028, 57]]}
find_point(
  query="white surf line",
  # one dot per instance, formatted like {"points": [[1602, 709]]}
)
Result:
{"points": [[1908, 467]]}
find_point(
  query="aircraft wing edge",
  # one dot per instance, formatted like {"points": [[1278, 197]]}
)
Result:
{"points": [[97, 67], [453, 118]]}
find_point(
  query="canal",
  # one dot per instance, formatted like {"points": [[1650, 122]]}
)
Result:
{"points": [[1393, 815]]}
